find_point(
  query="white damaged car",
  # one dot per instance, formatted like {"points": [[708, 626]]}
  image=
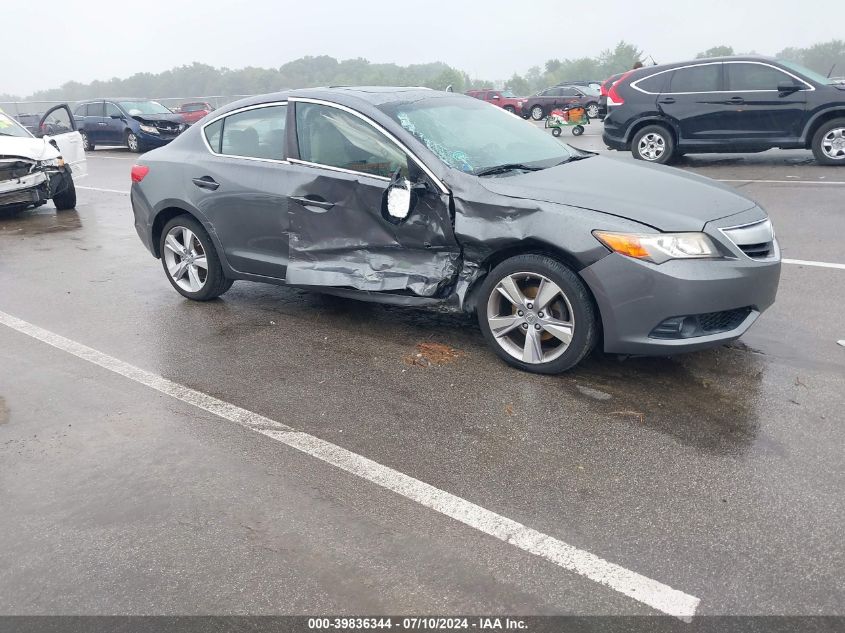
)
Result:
{"points": [[35, 169]]}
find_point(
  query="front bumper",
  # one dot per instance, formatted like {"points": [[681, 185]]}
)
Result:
{"points": [[33, 189], [634, 297], [154, 140]]}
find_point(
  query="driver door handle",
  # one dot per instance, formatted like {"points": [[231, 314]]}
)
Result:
{"points": [[312, 201], [206, 182], [667, 100], [737, 100]]}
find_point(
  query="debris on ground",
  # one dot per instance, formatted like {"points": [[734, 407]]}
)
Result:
{"points": [[509, 409], [428, 354], [637, 414]]}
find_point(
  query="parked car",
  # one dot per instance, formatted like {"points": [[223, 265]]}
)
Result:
{"points": [[603, 90], [194, 111], [539, 106], [502, 98], [728, 104], [29, 121], [591, 84], [139, 124], [410, 196], [41, 167]]}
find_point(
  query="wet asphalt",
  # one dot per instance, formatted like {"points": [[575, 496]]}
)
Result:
{"points": [[719, 473]]}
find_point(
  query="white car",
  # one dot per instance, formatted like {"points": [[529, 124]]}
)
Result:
{"points": [[34, 169]]}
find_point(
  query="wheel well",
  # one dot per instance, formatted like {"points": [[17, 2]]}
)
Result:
{"points": [[641, 124], [164, 216], [814, 127]]}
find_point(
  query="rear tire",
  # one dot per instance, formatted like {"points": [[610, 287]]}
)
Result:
{"points": [[87, 145], [654, 144], [510, 109], [67, 198], [199, 247], [555, 131], [593, 110], [132, 142], [537, 112], [578, 130], [568, 312], [828, 143]]}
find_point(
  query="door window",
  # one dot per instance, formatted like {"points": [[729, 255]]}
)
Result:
{"points": [[329, 136], [57, 122], [569, 92], [256, 133], [705, 78], [744, 77], [113, 110], [94, 109]]}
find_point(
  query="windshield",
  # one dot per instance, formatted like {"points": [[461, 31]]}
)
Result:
{"points": [[10, 127], [473, 136], [135, 108], [809, 74], [508, 93]]}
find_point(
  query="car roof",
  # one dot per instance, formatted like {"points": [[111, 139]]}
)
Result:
{"points": [[646, 70]]}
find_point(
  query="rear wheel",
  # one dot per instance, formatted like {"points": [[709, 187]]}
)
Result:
{"points": [[555, 131], [593, 110], [510, 108], [537, 314], [578, 130], [190, 260], [653, 144], [829, 143], [67, 198], [87, 145], [537, 113]]}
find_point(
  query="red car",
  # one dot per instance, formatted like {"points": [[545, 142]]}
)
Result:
{"points": [[502, 98], [194, 111]]}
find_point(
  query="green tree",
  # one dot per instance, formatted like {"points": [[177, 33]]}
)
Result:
{"points": [[716, 51]]}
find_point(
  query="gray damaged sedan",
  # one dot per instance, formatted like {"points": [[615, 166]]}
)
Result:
{"points": [[416, 197]]}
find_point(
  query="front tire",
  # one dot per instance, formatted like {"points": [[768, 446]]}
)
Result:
{"points": [[537, 113], [593, 110], [190, 260], [132, 142], [87, 145], [654, 144], [510, 109], [67, 198], [828, 143], [537, 314]]}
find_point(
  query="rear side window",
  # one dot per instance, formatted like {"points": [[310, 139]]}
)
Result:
{"points": [[755, 77], [94, 109], [706, 78], [256, 133], [655, 84]]}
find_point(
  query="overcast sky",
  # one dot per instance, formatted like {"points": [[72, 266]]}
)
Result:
{"points": [[52, 41]]}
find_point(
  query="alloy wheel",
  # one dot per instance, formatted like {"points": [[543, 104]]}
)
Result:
{"points": [[651, 146], [593, 111], [530, 317], [132, 142], [833, 144], [86, 143], [185, 258], [537, 113]]}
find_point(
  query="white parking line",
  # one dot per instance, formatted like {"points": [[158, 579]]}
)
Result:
{"points": [[126, 193], [650, 592], [787, 182], [805, 262], [109, 157]]}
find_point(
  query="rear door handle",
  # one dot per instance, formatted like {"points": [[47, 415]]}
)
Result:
{"points": [[313, 201], [667, 100], [206, 182], [737, 100]]}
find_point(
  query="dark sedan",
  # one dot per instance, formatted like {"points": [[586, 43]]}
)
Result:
{"points": [[541, 104], [416, 197]]}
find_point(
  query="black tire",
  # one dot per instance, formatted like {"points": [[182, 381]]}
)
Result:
{"points": [[555, 131], [215, 283], [822, 158], [578, 130], [133, 142], [87, 145], [537, 112], [668, 143], [586, 327], [509, 108], [67, 198]]}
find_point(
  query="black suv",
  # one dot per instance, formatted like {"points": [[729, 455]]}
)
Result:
{"points": [[726, 104]]}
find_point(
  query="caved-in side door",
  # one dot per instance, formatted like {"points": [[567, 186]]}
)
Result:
{"points": [[341, 233]]}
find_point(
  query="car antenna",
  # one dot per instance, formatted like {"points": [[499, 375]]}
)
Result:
{"points": [[830, 72]]}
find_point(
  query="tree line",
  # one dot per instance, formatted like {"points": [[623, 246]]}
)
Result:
{"points": [[201, 79]]}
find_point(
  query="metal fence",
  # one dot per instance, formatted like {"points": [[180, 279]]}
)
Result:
{"points": [[16, 108]]}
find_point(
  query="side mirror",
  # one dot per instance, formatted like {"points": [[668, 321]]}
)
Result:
{"points": [[786, 88], [400, 197], [117, 116], [495, 96]]}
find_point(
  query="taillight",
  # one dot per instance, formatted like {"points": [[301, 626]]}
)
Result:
{"points": [[613, 96], [139, 172]]}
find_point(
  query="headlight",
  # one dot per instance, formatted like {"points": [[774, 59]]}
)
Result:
{"points": [[52, 162], [149, 129], [659, 247]]}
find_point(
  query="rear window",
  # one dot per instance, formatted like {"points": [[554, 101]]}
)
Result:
{"points": [[655, 84], [705, 78]]}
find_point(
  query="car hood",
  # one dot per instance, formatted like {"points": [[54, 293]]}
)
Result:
{"points": [[151, 118], [24, 147], [664, 198]]}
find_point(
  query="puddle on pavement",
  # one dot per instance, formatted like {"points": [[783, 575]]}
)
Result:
{"points": [[39, 221]]}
